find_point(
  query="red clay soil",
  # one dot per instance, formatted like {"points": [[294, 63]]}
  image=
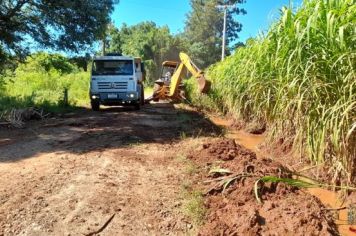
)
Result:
{"points": [[285, 210]]}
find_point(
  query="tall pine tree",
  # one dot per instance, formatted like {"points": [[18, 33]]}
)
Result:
{"points": [[204, 29]]}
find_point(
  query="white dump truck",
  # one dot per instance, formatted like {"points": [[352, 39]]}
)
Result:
{"points": [[117, 80]]}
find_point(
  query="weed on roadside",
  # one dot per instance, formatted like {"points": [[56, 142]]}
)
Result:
{"points": [[193, 206], [183, 135], [189, 166]]}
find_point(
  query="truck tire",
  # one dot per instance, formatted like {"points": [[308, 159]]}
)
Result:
{"points": [[95, 106], [137, 106], [142, 100]]}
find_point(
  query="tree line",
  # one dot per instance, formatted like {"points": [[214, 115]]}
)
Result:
{"points": [[201, 38], [75, 26]]}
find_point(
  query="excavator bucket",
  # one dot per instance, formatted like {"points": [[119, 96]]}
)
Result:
{"points": [[203, 84]]}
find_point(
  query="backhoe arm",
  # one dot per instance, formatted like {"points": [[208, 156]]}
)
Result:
{"points": [[177, 77]]}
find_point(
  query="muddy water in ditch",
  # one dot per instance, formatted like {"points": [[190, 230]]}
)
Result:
{"points": [[250, 141], [332, 200], [328, 198]]}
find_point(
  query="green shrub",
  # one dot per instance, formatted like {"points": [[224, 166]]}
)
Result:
{"points": [[41, 81]]}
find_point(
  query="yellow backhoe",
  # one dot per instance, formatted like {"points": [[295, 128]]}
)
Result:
{"points": [[170, 87]]}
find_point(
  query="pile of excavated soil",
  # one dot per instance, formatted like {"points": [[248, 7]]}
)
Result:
{"points": [[284, 210]]}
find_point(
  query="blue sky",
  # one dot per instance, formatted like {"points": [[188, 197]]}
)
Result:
{"points": [[260, 14]]}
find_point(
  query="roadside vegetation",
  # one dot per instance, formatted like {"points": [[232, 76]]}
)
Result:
{"points": [[193, 199], [42, 80], [193, 206], [30, 78], [299, 79]]}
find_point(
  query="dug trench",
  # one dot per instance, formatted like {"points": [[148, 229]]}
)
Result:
{"points": [[123, 172], [229, 181]]}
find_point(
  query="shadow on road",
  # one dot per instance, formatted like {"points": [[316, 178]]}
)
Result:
{"points": [[84, 131]]}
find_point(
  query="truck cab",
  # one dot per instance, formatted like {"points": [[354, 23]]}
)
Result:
{"points": [[116, 80]]}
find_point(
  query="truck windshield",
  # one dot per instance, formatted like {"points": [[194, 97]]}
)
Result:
{"points": [[113, 67]]}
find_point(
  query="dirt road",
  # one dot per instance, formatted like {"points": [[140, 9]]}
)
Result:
{"points": [[148, 172], [70, 175]]}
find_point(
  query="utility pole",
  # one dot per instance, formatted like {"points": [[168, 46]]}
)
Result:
{"points": [[224, 36], [225, 8]]}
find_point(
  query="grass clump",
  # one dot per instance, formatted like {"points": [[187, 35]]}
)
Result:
{"points": [[190, 167], [193, 200], [193, 207], [299, 79]]}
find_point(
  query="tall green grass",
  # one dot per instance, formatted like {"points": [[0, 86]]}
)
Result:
{"points": [[41, 81], [300, 79]]}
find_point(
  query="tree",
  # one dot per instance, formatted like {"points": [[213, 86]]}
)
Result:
{"points": [[57, 24], [146, 40], [44, 62], [204, 26]]}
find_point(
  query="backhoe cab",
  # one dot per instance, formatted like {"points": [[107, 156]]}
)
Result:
{"points": [[161, 86], [170, 86]]}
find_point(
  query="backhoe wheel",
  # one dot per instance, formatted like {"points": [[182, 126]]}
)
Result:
{"points": [[156, 89]]}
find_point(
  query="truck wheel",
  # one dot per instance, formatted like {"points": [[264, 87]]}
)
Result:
{"points": [[142, 100], [137, 106], [95, 106]]}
